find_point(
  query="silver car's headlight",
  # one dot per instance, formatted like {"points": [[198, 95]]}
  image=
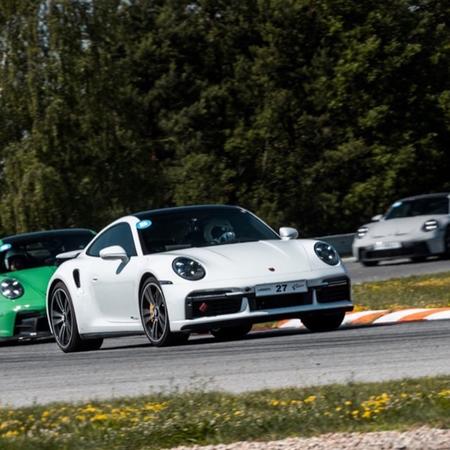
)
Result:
{"points": [[430, 225], [11, 288], [326, 253], [362, 232], [188, 269]]}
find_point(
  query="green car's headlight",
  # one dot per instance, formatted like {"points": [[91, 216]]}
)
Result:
{"points": [[11, 288]]}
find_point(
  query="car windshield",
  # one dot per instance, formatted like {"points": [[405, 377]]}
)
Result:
{"points": [[418, 207], [20, 252], [203, 227]]}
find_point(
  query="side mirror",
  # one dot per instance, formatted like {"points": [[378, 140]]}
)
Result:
{"points": [[114, 252], [287, 233], [376, 218]]}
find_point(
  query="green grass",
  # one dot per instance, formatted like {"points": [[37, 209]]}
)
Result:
{"points": [[207, 418], [425, 291]]}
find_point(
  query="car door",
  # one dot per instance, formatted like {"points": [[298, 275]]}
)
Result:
{"points": [[112, 284]]}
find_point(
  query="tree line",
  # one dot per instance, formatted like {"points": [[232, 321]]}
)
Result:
{"points": [[311, 113]]}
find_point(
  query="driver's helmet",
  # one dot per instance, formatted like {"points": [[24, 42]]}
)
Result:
{"points": [[218, 231], [15, 260]]}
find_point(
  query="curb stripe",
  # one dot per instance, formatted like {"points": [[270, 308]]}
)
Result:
{"points": [[422, 315], [379, 317], [368, 318], [398, 315]]}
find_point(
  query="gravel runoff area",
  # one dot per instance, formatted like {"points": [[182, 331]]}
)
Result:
{"points": [[423, 438]]}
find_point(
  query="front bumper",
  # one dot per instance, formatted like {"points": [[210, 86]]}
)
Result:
{"points": [[408, 249], [214, 308], [24, 325]]}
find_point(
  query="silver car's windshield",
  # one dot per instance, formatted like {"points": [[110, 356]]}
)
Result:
{"points": [[418, 207], [208, 226]]}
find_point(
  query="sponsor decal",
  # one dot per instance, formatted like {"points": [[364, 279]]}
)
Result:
{"points": [[143, 224]]}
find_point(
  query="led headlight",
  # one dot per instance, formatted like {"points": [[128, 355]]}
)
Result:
{"points": [[188, 269], [11, 288], [326, 253], [430, 225], [362, 232]]}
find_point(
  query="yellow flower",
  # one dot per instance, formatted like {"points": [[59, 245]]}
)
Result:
{"points": [[348, 403], [310, 399], [11, 434], [99, 418]]}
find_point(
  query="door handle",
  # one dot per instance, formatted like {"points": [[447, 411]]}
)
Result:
{"points": [[94, 278]]}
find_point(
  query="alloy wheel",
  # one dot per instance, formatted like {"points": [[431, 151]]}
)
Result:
{"points": [[154, 313], [61, 316]]}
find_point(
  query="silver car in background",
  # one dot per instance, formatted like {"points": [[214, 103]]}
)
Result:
{"points": [[414, 227]]}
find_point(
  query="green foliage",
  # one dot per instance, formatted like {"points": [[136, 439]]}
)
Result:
{"points": [[316, 114]]}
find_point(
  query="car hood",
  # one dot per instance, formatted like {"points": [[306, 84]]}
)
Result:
{"points": [[250, 259], [398, 227], [35, 279]]}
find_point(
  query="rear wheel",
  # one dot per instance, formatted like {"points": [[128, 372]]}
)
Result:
{"points": [[323, 322], [155, 316], [231, 333], [64, 323]]}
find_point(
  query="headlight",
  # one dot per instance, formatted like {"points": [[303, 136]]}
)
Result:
{"points": [[430, 225], [11, 288], [326, 253], [188, 269], [362, 232]]}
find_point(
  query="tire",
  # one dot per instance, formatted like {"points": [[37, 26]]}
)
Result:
{"points": [[319, 322], [155, 316], [418, 259], [231, 333], [369, 263], [447, 243], [64, 323]]}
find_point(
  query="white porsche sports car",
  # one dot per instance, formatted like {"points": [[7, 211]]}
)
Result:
{"points": [[174, 271]]}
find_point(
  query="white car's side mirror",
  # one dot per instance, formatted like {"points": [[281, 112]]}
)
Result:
{"points": [[287, 233], [114, 252], [376, 218]]}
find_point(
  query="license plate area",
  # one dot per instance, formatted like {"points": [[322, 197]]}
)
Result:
{"points": [[387, 245], [283, 288]]}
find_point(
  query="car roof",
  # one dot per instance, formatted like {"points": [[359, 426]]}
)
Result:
{"points": [[44, 234], [182, 209], [423, 196]]}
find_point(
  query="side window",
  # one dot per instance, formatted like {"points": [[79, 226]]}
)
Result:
{"points": [[119, 234]]}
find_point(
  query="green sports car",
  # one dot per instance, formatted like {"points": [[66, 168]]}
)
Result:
{"points": [[27, 261]]}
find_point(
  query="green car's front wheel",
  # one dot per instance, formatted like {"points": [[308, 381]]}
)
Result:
{"points": [[64, 323]]}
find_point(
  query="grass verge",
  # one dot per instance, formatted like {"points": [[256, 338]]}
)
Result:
{"points": [[424, 291], [207, 418]]}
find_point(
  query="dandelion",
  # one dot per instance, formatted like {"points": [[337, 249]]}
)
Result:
{"points": [[310, 399]]}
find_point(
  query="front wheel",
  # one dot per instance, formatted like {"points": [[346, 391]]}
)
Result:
{"points": [[447, 243], [318, 322], [369, 263], [231, 333], [155, 316], [64, 323]]}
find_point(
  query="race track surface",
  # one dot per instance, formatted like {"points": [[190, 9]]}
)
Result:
{"points": [[394, 269], [129, 366]]}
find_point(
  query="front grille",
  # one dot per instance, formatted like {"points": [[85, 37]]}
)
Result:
{"points": [[416, 248], [336, 290], [212, 303], [29, 323], [280, 301]]}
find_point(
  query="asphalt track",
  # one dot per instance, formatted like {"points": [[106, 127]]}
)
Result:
{"points": [[394, 269], [130, 366]]}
